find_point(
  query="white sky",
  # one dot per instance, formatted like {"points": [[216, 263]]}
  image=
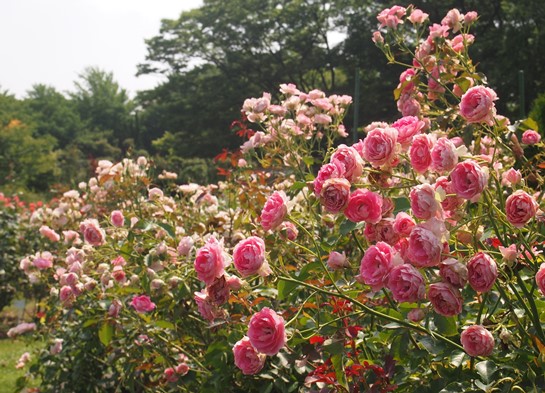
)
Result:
{"points": [[52, 41]]}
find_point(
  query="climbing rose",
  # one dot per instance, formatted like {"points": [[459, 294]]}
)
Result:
{"points": [[210, 262], [477, 105], [477, 341], [247, 358], [249, 257], [482, 272], [266, 332], [142, 304], [520, 208], [274, 211], [445, 299]]}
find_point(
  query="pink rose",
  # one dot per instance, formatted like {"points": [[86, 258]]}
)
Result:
{"points": [[335, 194], [530, 137], [420, 153], [511, 177], [219, 291], [403, 224], [540, 279], [364, 205], [468, 179], [115, 308], [453, 20], [423, 203], [349, 158], [481, 272], [416, 315], [520, 208], [417, 16], [477, 105], [266, 332], [185, 245], [445, 299], [459, 42], [453, 272], [443, 156], [247, 358], [379, 146], [377, 37], [406, 283], [407, 127], [376, 264], [43, 260], [92, 233], [424, 248], [142, 304], [328, 171], [67, 295], [391, 17], [170, 375], [49, 233], [274, 211], [56, 348], [408, 105], [337, 261], [207, 309], [477, 341], [210, 261], [117, 219], [384, 232], [450, 201], [288, 230], [509, 254], [249, 257]]}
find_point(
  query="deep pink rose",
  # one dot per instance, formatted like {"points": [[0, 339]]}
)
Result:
{"points": [[445, 299], [379, 146], [468, 179], [482, 272], [477, 105], [451, 201], [364, 205], [376, 264], [266, 332], [453, 272], [92, 233], [477, 341], [540, 279], [117, 219], [328, 171], [247, 358], [349, 158], [407, 127], [210, 261], [423, 203], [530, 137], [424, 248], [406, 283], [142, 304], [420, 153], [274, 211], [403, 224], [249, 257], [520, 208], [335, 194], [443, 156]]}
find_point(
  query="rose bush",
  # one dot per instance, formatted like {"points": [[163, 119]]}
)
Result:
{"points": [[411, 260]]}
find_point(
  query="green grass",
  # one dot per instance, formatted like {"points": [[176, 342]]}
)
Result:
{"points": [[10, 351]]}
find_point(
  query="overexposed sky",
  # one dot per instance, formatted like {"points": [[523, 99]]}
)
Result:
{"points": [[52, 41]]}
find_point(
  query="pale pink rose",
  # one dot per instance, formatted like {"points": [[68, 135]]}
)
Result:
{"points": [[22, 328], [376, 264], [470, 17], [420, 153], [142, 304], [155, 193], [119, 261], [450, 201], [350, 160], [56, 348], [509, 254], [520, 208], [210, 262], [477, 105], [407, 86], [540, 279], [207, 309], [219, 291], [406, 284], [379, 146], [407, 127], [445, 299], [331, 170], [71, 237], [181, 369], [92, 233], [335, 194], [364, 205], [247, 358], [424, 248], [453, 272], [249, 257], [477, 341], [437, 31], [43, 260], [322, 118], [185, 245], [115, 308], [49, 233], [377, 38], [434, 83], [468, 179], [288, 230], [337, 261], [416, 315], [423, 203], [23, 360], [117, 219], [443, 156], [274, 211], [530, 137], [453, 20], [289, 89], [66, 295], [391, 17], [418, 17], [482, 272], [459, 42], [403, 224], [266, 332], [511, 177], [408, 105]]}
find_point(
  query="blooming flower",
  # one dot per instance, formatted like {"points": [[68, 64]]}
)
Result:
{"points": [[142, 304], [247, 358], [266, 332], [477, 341]]}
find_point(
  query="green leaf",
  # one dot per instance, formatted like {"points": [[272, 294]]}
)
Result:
{"points": [[168, 228], [298, 185], [456, 358], [165, 324], [455, 387], [308, 160], [401, 204], [285, 288], [337, 361], [348, 226], [486, 370], [529, 124], [446, 326], [106, 333]]}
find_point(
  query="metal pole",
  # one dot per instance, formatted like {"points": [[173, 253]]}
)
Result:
{"points": [[356, 103], [522, 103]]}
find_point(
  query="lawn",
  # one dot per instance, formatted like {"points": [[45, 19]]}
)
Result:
{"points": [[10, 351]]}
